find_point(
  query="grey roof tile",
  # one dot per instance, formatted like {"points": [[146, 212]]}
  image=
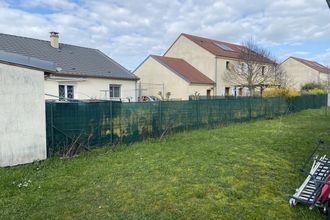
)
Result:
{"points": [[74, 60]]}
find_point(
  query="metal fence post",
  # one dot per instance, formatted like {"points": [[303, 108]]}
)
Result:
{"points": [[160, 118], [111, 121], [197, 111], [51, 127]]}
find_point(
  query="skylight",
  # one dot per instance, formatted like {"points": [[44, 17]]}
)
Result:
{"points": [[224, 47]]}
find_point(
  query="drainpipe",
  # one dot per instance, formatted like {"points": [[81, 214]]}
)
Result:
{"points": [[216, 76]]}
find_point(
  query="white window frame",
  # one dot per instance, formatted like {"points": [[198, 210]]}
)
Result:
{"points": [[117, 86], [66, 90]]}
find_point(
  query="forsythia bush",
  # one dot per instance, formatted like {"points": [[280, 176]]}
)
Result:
{"points": [[280, 92]]}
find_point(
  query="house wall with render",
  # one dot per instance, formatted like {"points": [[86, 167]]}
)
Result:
{"points": [[212, 66], [153, 72], [299, 74], [90, 88], [195, 55], [22, 115]]}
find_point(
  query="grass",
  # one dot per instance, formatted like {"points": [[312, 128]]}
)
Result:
{"points": [[242, 171]]}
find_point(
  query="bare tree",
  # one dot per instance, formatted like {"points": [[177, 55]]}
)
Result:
{"points": [[282, 79], [255, 68]]}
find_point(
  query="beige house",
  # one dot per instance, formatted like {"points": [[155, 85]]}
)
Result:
{"points": [[177, 76], [302, 71], [70, 72], [211, 58]]}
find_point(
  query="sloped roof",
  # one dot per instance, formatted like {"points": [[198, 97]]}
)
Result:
{"points": [[184, 69], [233, 50], [314, 65], [73, 60], [223, 49]]}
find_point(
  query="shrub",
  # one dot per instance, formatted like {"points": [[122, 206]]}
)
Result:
{"points": [[315, 91], [280, 92], [311, 86]]}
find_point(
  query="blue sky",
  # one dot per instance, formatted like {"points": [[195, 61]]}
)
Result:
{"points": [[128, 31]]}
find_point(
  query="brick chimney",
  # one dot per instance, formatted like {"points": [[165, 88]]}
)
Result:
{"points": [[54, 39]]}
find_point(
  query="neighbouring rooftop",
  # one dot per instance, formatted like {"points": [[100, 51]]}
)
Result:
{"points": [[313, 64], [184, 69], [69, 59]]}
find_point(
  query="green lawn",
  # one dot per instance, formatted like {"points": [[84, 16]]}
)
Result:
{"points": [[242, 171]]}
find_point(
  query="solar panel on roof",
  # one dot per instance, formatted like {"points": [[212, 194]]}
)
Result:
{"points": [[224, 47]]}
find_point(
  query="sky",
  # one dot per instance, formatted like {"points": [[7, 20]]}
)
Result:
{"points": [[129, 30]]}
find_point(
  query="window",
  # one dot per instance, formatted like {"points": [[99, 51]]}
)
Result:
{"points": [[65, 92], [240, 91], [208, 92], [227, 65], [114, 91], [227, 91], [263, 70]]}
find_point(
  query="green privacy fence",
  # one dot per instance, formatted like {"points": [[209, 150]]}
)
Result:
{"points": [[91, 124]]}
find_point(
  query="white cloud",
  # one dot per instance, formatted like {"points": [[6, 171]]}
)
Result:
{"points": [[129, 31], [323, 58], [54, 4]]}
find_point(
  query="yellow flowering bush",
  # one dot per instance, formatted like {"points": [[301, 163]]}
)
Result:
{"points": [[280, 92]]}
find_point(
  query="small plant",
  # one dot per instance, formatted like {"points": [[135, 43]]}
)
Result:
{"points": [[23, 183], [161, 96], [166, 97], [195, 96]]}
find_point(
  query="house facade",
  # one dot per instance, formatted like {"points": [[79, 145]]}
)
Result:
{"points": [[210, 57], [302, 71], [72, 72], [178, 77]]}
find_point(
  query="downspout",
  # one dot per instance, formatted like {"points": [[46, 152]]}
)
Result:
{"points": [[136, 92], [216, 77]]}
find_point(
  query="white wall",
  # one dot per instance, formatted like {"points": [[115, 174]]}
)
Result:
{"points": [[299, 73], [212, 66], [22, 116], [87, 88], [195, 55], [153, 72]]}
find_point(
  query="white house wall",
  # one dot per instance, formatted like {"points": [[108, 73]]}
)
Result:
{"points": [[200, 89], [195, 55], [299, 74], [206, 62], [22, 116], [151, 72], [91, 88], [221, 71]]}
